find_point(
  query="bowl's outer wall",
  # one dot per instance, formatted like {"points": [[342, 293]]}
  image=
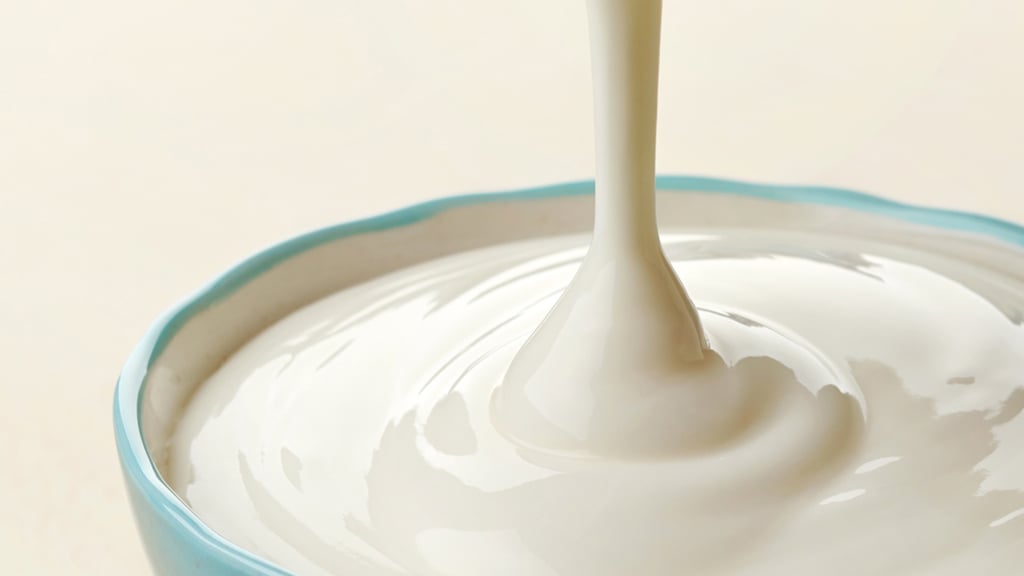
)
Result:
{"points": [[172, 551]]}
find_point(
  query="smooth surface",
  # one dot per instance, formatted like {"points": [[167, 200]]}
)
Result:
{"points": [[144, 148], [288, 451]]}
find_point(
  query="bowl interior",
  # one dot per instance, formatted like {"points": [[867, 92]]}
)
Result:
{"points": [[187, 345], [324, 265]]}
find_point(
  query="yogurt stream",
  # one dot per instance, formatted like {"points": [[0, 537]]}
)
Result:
{"points": [[837, 406]]}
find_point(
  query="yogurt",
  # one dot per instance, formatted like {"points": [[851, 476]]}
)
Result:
{"points": [[822, 404], [876, 426]]}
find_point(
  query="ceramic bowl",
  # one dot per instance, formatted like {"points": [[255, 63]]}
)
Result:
{"points": [[188, 343]]}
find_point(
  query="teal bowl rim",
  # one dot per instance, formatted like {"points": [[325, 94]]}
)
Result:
{"points": [[134, 456]]}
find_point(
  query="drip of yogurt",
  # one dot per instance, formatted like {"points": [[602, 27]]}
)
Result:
{"points": [[618, 366]]}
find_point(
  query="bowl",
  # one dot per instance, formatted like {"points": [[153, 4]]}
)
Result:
{"points": [[188, 343]]}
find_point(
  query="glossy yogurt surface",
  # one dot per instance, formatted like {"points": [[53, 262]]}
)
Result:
{"points": [[875, 393]]}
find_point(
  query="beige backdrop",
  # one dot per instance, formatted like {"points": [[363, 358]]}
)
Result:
{"points": [[147, 145]]}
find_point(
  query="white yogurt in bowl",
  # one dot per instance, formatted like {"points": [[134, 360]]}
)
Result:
{"points": [[357, 435], [490, 390]]}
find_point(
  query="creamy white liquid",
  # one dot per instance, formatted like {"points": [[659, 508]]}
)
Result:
{"points": [[836, 407], [625, 306], [881, 430]]}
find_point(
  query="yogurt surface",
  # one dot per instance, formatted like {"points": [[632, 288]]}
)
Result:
{"points": [[877, 422]]}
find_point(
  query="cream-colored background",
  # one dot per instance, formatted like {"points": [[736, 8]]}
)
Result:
{"points": [[145, 146]]}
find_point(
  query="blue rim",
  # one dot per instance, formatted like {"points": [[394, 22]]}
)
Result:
{"points": [[139, 469]]}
